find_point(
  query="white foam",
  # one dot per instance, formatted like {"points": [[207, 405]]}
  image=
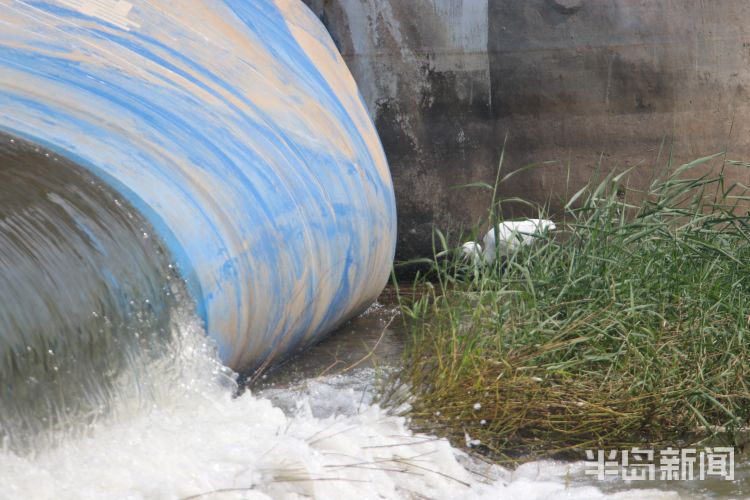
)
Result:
{"points": [[329, 441]]}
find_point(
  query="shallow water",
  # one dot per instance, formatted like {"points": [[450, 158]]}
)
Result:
{"points": [[375, 340]]}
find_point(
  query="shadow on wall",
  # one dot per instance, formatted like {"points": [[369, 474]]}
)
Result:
{"points": [[568, 80]]}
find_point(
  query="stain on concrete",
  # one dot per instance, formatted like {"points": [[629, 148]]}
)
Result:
{"points": [[575, 81], [566, 6]]}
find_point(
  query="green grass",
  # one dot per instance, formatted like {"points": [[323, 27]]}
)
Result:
{"points": [[629, 326]]}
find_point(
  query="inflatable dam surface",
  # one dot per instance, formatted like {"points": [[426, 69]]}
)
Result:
{"points": [[226, 137]]}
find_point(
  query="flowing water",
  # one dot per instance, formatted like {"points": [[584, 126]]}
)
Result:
{"points": [[86, 297], [109, 387], [299, 437]]}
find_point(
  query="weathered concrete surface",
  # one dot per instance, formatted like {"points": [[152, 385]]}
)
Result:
{"points": [[568, 80]]}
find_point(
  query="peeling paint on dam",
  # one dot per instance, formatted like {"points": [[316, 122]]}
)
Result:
{"points": [[568, 80]]}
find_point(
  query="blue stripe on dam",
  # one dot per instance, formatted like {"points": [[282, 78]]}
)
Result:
{"points": [[236, 129]]}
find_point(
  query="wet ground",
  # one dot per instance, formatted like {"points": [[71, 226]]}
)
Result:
{"points": [[375, 339]]}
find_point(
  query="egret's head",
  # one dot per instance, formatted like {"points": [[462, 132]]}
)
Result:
{"points": [[547, 225], [471, 247], [471, 251]]}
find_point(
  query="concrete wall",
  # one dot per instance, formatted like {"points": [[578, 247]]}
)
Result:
{"points": [[568, 80]]}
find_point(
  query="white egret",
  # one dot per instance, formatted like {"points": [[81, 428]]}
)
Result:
{"points": [[471, 252], [511, 235]]}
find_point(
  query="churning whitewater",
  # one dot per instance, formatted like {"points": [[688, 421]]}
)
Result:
{"points": [[184, 434]]}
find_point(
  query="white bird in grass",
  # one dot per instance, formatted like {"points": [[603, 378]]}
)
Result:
{"points": [[471, 252], [511, 235]]}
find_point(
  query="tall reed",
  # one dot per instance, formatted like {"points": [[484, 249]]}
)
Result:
{"points": [[629, 325]]}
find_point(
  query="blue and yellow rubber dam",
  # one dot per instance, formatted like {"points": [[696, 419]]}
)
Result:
{"points": [[220, 145]]}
